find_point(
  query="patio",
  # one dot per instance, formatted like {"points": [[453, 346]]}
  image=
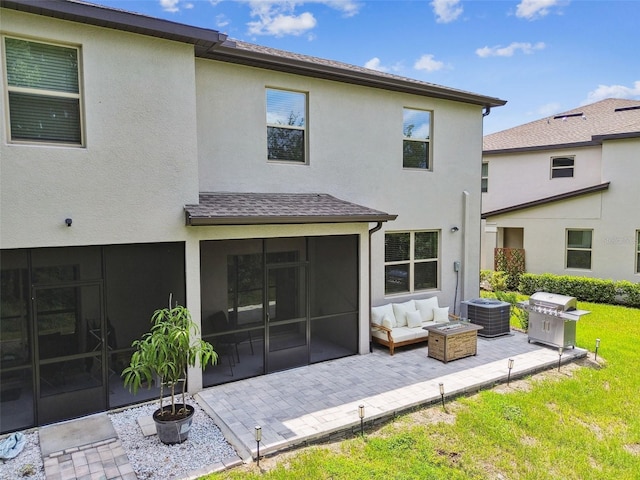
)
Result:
{"points": [[316, 402]]}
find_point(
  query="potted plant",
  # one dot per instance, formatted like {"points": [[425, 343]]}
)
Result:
{"points": [[165, 352]]}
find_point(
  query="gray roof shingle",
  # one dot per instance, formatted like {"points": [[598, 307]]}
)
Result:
{"points": [[223, 208], [582, 126]]}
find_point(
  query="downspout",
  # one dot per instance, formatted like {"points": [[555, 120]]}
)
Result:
{"points": [[487, 111], [371, 232]]}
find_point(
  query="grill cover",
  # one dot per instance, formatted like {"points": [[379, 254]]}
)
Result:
{"points": [[553, 300]]}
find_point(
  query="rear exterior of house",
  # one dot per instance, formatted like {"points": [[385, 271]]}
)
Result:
{"points": [[563, 192], [277, 196]]}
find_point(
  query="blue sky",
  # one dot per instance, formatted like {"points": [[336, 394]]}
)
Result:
{"points": [[542, 56]]}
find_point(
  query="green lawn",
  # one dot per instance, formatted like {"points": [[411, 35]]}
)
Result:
{"points": [[580, 424]]}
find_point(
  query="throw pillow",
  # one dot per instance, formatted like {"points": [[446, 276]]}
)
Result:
{"points": [[414, 319], [400, 311], [386, 322], [378, 313], [426, 307], [441, 314]]}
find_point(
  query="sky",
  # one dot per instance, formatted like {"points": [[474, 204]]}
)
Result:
{"points": [[543, 57]]}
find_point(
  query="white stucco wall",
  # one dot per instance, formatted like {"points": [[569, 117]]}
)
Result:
{"points": [[139, 166], [522, 177], [355, 153]]}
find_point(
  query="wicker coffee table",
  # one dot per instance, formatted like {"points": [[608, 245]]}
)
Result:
{"points": [[451, 341]]}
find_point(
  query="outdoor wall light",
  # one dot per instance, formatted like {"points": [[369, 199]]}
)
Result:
{"points": [[361, 415], [442, 396], [597, 346], [559, 357], [510, 366], [454, 229], [258, 434], [68, 221]]}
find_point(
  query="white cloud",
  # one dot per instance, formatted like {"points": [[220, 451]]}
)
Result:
{"points": [[279, 18], [548, 109], [375, 64], [613, 91], [222, 21], [446, 10], [509, 51], [534, 9], [170, 5], [428, 63]]}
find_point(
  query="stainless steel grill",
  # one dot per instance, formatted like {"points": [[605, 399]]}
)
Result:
{"points": [[553, 318]]}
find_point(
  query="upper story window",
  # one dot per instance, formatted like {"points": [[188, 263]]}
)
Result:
{"points": [[416, 133], [579, 244], [485, 177], [562, 167], [411, 261], [43, 92], [286, 126]]}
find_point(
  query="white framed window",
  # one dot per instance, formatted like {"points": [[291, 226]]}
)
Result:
{"points": [[562, 167], [637, 251], [416, 138], [43, 92], [286, 126], [485, 177], [411, 261], [579, 249]]}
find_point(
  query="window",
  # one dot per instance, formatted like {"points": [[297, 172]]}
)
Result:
{"points": [[562, 167], [416, 132], [43, 92], [411, 261], [637, 251], [286, 126], [485, 177], [579, 249]]}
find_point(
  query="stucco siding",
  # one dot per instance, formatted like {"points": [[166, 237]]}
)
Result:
{"points": [[138, 169]]}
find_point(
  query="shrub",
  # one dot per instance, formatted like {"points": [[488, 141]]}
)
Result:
{"points": [[495, 281], [586, 289]]}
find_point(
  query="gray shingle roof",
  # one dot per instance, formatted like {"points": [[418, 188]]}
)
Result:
{"points": [[222, 208], [586, 125]]}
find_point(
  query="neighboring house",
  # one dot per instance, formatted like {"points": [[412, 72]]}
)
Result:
{"points": [[277, 196], [565, 190]]}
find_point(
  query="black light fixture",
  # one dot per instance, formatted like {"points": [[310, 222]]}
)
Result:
{"points": [[68, 221], [361, 415], [454, 229], [258, 434], [442, 396], [597, 346], [559, 357], [510, 366]]}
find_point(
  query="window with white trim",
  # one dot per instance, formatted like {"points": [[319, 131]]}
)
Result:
{"points": [[579, 245], [411, 261], [43, 92], [485, 177], [286, 126], [562, 167], [416, 134]]}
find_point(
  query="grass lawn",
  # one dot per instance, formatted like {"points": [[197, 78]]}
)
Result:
{"points": [[579, 423]]}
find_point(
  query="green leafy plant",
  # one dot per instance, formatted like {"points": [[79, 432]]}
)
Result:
{"points": [[166, 351]]}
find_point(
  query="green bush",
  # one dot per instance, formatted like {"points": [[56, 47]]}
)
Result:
{"points": [[585, 289], [496, 281]]}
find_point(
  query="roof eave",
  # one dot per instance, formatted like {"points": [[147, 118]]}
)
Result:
{"points": [[543, 201], [344, 75], [557, 146], [196, 221]]}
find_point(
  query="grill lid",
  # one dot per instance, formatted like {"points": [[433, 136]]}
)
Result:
{"points": [[553, 300]]}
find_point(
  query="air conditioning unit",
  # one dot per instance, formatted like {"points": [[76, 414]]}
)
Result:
{"points": [[494, 315]]}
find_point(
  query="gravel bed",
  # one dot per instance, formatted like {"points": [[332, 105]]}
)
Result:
{"points": [[150, 458], [153, 460]]}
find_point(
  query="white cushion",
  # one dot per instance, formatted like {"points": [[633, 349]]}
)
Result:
{"points": [[400, 311], [414, 319], [441, 314], [402, 334], [378, 313], [387, 322], [426, 307]]}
